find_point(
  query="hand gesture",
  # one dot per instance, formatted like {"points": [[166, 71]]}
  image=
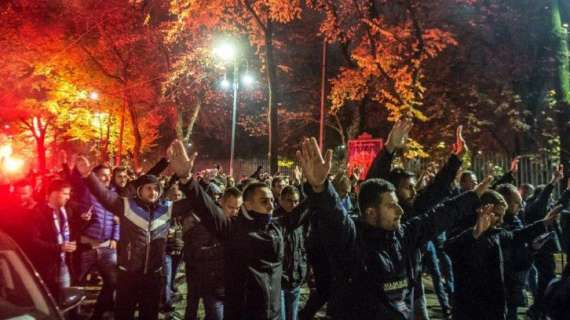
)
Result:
{"points": [[315, 168], [459, 148], [83, 166], [483, 186], [68, 246], [515, 164], [552, 215], [181, 163], [87, 215], [484, 220], [297, 175], [113, 244], [557, 174], [399, 135]]}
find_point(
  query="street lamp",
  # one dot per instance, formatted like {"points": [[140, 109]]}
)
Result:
{"points": [[228, 52]]}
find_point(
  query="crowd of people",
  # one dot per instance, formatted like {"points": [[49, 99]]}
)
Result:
{"points": [[249, 246]]}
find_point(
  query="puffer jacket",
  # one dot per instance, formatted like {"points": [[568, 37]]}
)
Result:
{"points": [[101, 226], [376, 271], [144, 227]]}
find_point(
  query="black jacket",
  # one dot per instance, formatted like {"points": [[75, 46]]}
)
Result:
{"points": [[478, 267], [253, 255], [295, 254], [144, 227], [376, 271]]}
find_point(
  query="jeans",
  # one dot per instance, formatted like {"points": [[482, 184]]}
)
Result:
{"points": [[171, 263], [105, 260], [290, 303], [431, 261], [213, 304], [138, 289]]}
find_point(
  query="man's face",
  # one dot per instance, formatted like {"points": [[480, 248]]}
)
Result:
{"points": [[278, 187], [344, 187], [104, 175], [59, 198], [261, 201], [121, 178], [407, 191], [24, 194], [498, 215], [174, 194], [515, 203], [149, 192], [231, 205], [387, 215], [468, 182], [289, 201]]}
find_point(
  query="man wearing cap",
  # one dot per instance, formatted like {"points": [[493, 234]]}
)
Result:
{"points": [[145, 220]]}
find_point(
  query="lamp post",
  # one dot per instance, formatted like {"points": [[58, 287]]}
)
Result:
{"points": [[229, 53]]}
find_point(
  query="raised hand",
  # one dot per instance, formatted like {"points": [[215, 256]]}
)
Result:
{"points": [[83, 166], [180, 162], [297, 175], [315, 168], [557, 174], [483, 186], [484, 220], [459, 148], [552, 215], [515, 164], [399, 134]]}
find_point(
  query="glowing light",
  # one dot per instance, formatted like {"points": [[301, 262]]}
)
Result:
{"points": [[247, 79], [225, 83], [94, 96], [225, 51], [6, 151], [13, 164]]}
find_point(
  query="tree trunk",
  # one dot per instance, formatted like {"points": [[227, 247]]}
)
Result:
{"points": [[272, 119], [136, 133], [192, 122], [560, 38]]}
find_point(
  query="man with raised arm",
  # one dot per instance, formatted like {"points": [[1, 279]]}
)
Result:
{"points": [[375, 258]]}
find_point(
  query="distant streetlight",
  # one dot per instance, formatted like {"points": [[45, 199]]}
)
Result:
{"points": [[228, 52], [94, 95]]}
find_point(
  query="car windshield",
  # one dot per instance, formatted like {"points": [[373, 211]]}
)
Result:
{"points": [[20, 295]]}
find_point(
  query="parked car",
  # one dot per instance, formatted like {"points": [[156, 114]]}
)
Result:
{"points": [[23, 294]]}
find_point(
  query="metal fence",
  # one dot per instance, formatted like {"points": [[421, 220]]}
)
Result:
{"points": [[535, 169]]}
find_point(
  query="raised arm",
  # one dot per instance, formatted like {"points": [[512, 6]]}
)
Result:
{"points": [[336, 229], [444, 216], [197, 200], [108, 198], [537, 209], [397, 138]]}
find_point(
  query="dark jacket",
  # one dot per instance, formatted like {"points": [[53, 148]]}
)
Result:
{"points": [[204, 257], [144, 227], [253, 256], [295, 254], [376, 271], [102, 226], [45, 251], [478, 267]]}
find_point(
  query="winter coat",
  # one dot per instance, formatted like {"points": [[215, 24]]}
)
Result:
{"points": [[479, 270], [376, 271], [253, 256], [295, 255]]}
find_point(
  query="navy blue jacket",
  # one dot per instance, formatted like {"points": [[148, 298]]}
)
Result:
{"points": [[376, 271]]}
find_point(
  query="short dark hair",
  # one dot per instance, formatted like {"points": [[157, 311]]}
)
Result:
{"points": [[289, 190], [493, 197], [398, 175], [276, 180], [465, 174], [119, 169], [232, 192], [507, 190], [100, 167], [58, 185], [251, 188], [371, 191]]}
